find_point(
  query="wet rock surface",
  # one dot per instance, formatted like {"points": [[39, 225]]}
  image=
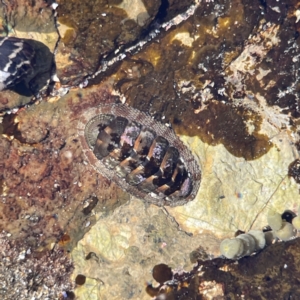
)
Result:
{"points": [[40, 179], [92, 33], [223, 74], [270, 273], [34, 274]]}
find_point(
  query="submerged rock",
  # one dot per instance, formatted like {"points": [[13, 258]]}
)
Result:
{"points": [[222, 74]]}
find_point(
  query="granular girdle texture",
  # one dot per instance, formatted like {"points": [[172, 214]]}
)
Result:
{"points": [[141, 155]]}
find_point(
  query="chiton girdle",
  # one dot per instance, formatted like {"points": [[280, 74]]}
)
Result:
{"points": [[141, 155]]}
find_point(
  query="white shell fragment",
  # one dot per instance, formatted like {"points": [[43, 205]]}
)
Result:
{"points": [[296, 222], [255, 240], [249, 243], [232, 248], [274, 219], [286, 232], [269, 237], [260, 240], [243, 245]]}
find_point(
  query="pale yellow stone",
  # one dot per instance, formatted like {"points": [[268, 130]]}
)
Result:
{"points": [[64, 29], [274, 219], [48, 38], [136, 10], [234, 194], [62, 59], [250, 188], [127, 244], [262, 73], [296, 222], [111, 241], [185, 38], [90, 290]]}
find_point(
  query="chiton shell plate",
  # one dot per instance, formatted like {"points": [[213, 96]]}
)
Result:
{"points": [[141, 155]]}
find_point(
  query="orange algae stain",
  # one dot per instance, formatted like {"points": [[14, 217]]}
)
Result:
{"points": [[65, 239]]}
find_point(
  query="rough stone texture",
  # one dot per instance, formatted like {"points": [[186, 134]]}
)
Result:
{"points": [[35, 275], [236, 194], [90, 31], [93, 34], [45, 179], [207, 80], [193, 69], [225, 78], [130, 242]]}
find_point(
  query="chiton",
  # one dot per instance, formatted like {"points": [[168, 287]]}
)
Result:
{"points": [[141, 155]]}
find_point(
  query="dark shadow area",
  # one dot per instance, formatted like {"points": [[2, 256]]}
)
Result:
{"points": [[163, 11]]}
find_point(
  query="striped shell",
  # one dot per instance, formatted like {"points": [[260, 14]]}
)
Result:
{"points": [[17, 60], [141, 155]]}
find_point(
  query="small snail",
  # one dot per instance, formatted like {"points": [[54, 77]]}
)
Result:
{"points": [[17, 60]]}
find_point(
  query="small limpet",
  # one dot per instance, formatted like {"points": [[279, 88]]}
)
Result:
{"points": [[141, 155]]}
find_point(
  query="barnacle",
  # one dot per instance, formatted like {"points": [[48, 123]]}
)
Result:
{"points": [[247, 243], [141, 155], [269, 237], [243, 245], [232, 248], [274, 219], [281, 225], [286, 232], [260, 239], [17, 59], [296, 222]]}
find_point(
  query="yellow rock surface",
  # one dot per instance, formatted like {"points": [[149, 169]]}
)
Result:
{"points": [[235, 193]]}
